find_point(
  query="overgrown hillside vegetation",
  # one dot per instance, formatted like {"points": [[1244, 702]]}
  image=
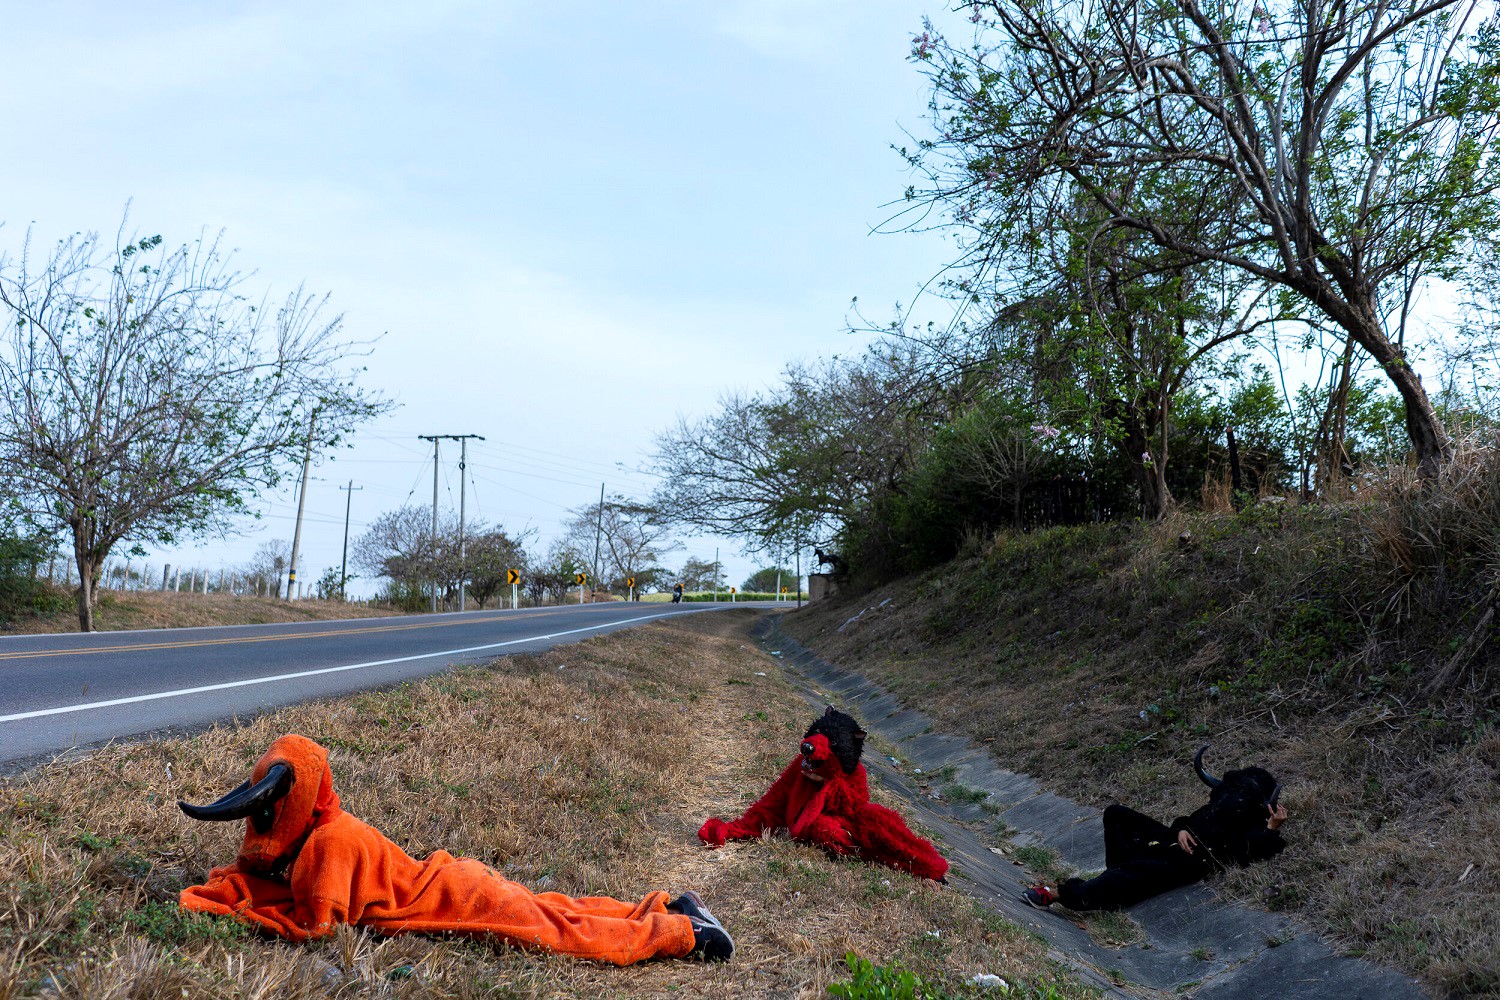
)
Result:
{"points": [[1351, 648]]}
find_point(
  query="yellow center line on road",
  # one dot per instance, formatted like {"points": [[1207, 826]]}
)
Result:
{"points": [[276, 637], [323, 671]]}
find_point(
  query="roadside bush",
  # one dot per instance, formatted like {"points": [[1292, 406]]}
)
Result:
{"points": [[409, 597], [1437, 551], [20, 591], [993, 468], [723, 595]]}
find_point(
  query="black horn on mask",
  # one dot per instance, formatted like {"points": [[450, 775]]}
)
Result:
{"points": [[1275, 796], [252, 801], [1208, 779]]}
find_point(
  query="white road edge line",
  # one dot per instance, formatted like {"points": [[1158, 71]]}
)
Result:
{"points": [[181, 692]]}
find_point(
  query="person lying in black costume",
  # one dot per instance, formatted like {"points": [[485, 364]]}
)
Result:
{"points": [[1144, 858]]}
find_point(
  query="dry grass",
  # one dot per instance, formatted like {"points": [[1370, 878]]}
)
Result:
{"points": [[584, 770], [1097, 659], [153, 609]]}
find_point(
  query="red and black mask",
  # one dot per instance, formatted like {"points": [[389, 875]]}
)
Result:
{"points": [[833, 737], [818, 761]]}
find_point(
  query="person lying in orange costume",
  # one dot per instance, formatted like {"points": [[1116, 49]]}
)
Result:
{"points": [[306, 866]]}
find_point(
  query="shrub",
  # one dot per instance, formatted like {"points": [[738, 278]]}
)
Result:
{"points": [[20, 591], [868, 981]]}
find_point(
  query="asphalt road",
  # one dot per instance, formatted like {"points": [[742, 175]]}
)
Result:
{"points": [[63, 691]]}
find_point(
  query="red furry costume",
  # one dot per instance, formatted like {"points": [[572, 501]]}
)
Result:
{"points": [[823, 798], [307, 866]]}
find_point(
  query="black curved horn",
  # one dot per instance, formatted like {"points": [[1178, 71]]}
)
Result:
{"points": [[254, 801], [1208, 779], [1275, 796]]}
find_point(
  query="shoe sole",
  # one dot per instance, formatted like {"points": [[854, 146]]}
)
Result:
{"points": [[1033, 903]]}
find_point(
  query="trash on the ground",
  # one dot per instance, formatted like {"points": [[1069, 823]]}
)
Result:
{"points": [[760, 673], [988, 980], [934, 933]]}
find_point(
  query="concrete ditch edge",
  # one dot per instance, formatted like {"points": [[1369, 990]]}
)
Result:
{"points": [[1196, 946]]}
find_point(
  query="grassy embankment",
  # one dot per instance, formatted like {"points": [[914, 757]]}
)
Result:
{"points": [[1352, 650], [153, 609], [583, 770]]}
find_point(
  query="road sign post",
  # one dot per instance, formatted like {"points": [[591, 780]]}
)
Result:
{"points": [[580, 579], [732, 592], [513, 577], [630, 585]]}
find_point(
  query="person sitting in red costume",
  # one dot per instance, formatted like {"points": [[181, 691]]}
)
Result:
{"points": [[306, 866], [823, 798]]}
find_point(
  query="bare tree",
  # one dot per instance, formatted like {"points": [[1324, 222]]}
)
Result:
{"points": [[398, 545], [1342, 152], [631, 537], [792, 462], [266, 568], [143, 397]]}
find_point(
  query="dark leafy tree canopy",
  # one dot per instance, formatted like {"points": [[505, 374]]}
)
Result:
{"points": [[1341, 153]]}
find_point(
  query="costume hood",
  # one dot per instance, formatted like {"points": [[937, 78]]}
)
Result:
{"points": [[289, 794], [1252, 784]]}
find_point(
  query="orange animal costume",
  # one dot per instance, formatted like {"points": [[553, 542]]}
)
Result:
{"points": [[307, 866]]}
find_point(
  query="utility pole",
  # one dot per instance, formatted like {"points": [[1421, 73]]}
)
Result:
{"points": [[435, 438], [291, 569], [716, 574], [799, 572], [344, 565], [463, 462], [598, 535]]}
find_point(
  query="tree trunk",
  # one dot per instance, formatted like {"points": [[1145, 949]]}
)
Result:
{"points": [[1429, 439], [86, 591], [1150, 476], [1156, 497]]}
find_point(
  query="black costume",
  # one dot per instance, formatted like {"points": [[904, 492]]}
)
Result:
{"points": [[1143, 858]]}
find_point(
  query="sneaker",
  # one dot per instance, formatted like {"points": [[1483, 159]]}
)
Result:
{"points": [[711, 943], [690, 904], [1039, 896]]}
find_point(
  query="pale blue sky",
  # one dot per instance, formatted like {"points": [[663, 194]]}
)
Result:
{"points": [[571, 222]]}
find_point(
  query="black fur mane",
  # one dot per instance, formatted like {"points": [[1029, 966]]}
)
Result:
{"points": [[845, 737]]}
